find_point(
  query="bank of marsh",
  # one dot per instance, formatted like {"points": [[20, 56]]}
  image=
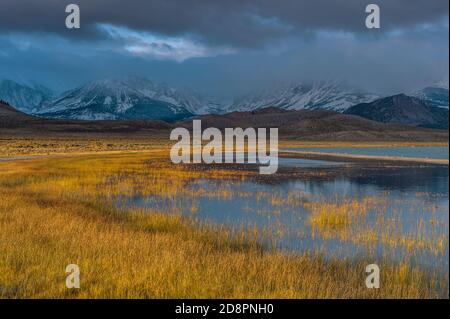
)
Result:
{"points": [[58, 211]]}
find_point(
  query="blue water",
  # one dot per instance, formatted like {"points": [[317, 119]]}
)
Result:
{"points": [[412, 200], [435, 152], [294, 162], [301, 162]]}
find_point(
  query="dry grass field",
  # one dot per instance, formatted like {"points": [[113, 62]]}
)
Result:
{"points": [[55, 211]]}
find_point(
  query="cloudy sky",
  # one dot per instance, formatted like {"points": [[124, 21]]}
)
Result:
{"points": [[227, 47]]}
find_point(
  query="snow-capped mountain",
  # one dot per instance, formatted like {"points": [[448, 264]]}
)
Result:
{"points": [[320, 95], [140, 98], [25, 98], [435, 94], [126, 98]]}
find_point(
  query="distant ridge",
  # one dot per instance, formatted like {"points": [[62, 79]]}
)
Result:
{"points": [[435, 94], [318, 125], [125, 98], [10, 117], [402, 109], [26, 98], [301, 125], [16, 123], [320, 95], [136, 98]]}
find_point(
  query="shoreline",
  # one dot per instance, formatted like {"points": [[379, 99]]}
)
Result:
{"points": [[333, 157], [364, 158], [47, 206]]}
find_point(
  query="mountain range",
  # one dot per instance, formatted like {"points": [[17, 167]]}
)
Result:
{"points": [[25, 98], [402, 109], [292, 124], [114, 99], [310, 96], [131, 98], [435, 94], [109, 99]]}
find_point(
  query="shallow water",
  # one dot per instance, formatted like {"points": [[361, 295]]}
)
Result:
{"points": [[435, 152], [301, 162], [406, 211]]}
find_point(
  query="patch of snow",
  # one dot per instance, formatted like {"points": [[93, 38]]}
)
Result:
{"points": [[320, 95], [108, 100]]}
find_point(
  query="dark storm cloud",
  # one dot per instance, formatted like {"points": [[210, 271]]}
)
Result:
{"points": [[395, 64], [205, 44], [238, 23]]}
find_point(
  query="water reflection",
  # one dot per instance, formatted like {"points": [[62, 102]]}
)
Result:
{"points": [[398, 213], [437, 152]]}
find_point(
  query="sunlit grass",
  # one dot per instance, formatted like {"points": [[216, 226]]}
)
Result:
{"points": [[14, 146], [54, 212], [348, 221], [338, 214]]}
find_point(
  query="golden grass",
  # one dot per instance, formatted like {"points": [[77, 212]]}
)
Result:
{"points": [[338, 215], [347, 222], [10, 147], [54, 212], [14, 146]]}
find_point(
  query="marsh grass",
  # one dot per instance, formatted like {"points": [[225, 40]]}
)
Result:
{"points": [[54, 212], [48, 145], [348, 221]]}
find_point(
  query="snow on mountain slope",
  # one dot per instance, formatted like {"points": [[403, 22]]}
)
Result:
{"points": [[23, 97], [121, 98], [321, 95], [193, 102], [435, 95], [127, 98]]}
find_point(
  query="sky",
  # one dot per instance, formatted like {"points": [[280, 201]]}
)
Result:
{"points": [[227, 48]]}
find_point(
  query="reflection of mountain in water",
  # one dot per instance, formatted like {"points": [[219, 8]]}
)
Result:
{"points": [[420, 179], [358, 179]]}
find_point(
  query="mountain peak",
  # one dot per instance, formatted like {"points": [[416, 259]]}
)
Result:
{"points": [[117, 98], [23, 97], [402, 109], [331, 95], [435, 94], [402, 97], [443, 84]]}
